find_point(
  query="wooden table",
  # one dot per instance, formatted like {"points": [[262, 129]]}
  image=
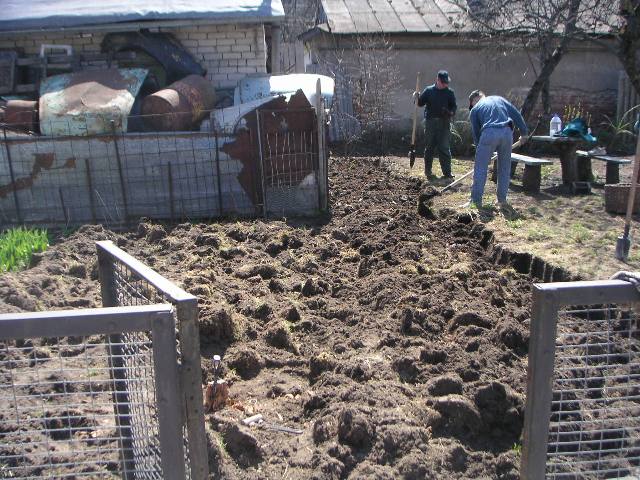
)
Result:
{"points": [[566, 148]]}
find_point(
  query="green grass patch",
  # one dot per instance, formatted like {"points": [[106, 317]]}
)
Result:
{"points": [[580, 233], [515, 223], [18, 245], [539, 234]]}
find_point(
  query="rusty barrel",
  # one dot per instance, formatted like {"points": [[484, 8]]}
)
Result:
{"points": [[181, 106], [21, 115]]}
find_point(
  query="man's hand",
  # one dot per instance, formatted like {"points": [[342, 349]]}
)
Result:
{"points": [[524, 139], [415, 96]]}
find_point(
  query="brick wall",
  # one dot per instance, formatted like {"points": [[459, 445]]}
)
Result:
{"points": [[228, 52]]}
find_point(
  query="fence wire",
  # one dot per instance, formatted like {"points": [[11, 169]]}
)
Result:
{"points": [[57, 418], [290, 170], [115, 177], [131, 283], [595, 413]]}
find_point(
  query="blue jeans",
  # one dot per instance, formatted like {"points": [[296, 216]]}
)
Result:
{"points": [[492, 140]]}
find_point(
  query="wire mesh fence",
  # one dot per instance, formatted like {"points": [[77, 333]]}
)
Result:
{"points": [[583, 398], [127, 282], [87, 174], [65, 413]]}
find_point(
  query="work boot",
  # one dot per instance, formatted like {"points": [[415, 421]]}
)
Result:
{"points": [[506, 208], [430, 176]]}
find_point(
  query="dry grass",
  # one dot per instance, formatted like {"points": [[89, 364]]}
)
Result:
{"points": [[572, 231]]}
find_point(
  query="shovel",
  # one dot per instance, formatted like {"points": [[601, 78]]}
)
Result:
{"points": [[412, 147], [458, 180], [624, 242]]}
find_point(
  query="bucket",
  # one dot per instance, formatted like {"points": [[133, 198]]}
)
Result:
{"points": [[179, 107]]}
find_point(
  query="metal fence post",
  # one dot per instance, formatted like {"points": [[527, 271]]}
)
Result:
{"points": [[187, 313], [261, 164], [539, 380], [167, 395], [117, 366], [13, 177], [322, 170]]}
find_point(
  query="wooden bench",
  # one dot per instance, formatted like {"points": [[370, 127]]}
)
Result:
{"points": [[612, 168], [532, 176]]}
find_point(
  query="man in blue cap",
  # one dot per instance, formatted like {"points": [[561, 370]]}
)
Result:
{"points": [[440, 107]]}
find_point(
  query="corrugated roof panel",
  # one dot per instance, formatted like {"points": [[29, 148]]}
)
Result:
{"points": [[409, 16], [18, 15], [338, 16], [362, 16], [436, 22], [387, 16]]}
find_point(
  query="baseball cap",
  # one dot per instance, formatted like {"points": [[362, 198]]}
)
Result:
{"points": [[443, 75]]}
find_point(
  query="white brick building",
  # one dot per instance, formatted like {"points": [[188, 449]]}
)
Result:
{"points": [[229, 38]]}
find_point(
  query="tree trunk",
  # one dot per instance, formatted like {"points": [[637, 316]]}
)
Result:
{"points": [[543, 78], [552, 61], [546, 98], [629, 42]]}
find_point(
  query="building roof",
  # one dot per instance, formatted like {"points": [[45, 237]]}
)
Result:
{"points": [[30, 15], [344, 17], [391, 16]]}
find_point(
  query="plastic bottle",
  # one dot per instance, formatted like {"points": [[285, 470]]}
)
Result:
{"points": [[555, 125]]}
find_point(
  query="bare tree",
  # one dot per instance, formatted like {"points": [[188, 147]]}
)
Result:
{"points": [[370, 69], [546, 26]]}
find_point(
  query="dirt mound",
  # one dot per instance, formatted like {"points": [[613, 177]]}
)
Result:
{"points": [[392, 340]]}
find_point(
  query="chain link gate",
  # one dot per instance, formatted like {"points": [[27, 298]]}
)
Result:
{"points": [[582, 418], [90, 393]]}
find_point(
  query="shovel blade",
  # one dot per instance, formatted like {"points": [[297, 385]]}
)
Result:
{"points": [[412, 157], [623, 244]]}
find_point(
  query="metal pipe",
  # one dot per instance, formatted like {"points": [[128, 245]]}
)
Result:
{"points": [[261, 165], [120, 173], [171, 199], [92, 203], [218, 172]]}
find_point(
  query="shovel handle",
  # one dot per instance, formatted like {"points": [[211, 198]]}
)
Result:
{"points": [[494, 157], [415, 114], [634, 184]]}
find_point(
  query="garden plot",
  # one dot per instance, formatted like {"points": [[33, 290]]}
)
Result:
{"points": [[392, 341]]}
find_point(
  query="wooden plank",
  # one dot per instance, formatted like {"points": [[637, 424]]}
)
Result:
{"points": [[543, 327], [362, 15], [610, 159], [517, 157]]}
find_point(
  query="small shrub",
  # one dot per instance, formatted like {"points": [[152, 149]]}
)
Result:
{"points": [[18, 245]]}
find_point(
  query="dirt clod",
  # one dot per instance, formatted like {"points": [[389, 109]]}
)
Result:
{"points": [[459, 413], [247, 362], [468, 318], [354, 428], [444, 385]]}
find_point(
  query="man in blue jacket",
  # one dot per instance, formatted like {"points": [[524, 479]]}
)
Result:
{"points": [[492, 120], [440, 107]]}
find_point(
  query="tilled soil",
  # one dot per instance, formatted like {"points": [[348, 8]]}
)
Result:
{"points": [[392, 340]]}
